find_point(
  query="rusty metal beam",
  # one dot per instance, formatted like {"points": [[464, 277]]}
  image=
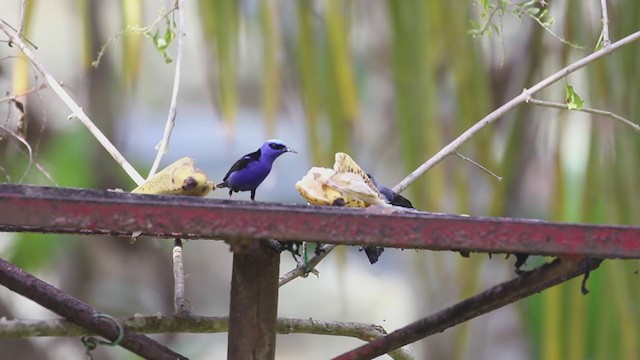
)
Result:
{"points": [[45, 209]]}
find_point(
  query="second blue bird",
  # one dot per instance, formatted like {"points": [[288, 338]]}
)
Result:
{"points": [[251, 170]]}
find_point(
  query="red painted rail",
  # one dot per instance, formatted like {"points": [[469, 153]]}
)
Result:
{"points": [[66, 210]]}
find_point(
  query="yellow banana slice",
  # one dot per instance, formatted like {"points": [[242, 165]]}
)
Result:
{"points": [[345, 164], [347, 185], [313, 187], [354, 190], [180, 178]]}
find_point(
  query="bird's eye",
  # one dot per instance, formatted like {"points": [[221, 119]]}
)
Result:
{"points": [[275, 146]]}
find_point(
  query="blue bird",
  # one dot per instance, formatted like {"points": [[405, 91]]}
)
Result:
{"points": [[251, 170]]}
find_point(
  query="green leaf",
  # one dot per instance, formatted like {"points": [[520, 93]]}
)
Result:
{"points": [[533, 11], [574, 101], [167, 57], [156, 40], [162, 42], [169, 35]]}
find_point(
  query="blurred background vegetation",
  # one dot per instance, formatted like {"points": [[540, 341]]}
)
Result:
{"points": [[389, 82]]}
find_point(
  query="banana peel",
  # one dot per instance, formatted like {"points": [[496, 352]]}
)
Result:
{"points": [[346, 185], [180, 178]]}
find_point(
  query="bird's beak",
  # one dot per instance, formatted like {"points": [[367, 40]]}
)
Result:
{"points": [[291, 150]]}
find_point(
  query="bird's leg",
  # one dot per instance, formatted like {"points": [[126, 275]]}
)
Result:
{"points": [[230, 192], [372, 252], [583, 286], [318, 249], [305, 256], [253, 195], [294, 249], [521, 259]]}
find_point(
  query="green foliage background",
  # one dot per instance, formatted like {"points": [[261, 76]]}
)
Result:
{"points": [[390, 82]]}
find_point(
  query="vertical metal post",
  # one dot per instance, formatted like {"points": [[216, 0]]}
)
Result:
{"points": [[254, 302]]}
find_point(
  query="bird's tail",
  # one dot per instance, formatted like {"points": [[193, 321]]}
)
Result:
{"points": [[222, 185], [373, 252]]}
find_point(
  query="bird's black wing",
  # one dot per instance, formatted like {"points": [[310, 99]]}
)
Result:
{"points": [[398, 200], [243, 162], [392, 197]]}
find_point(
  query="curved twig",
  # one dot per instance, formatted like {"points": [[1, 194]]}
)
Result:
{"points": [[26, 145]]}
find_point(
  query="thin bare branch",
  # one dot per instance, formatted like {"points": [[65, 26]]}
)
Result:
{"points": [[16, 329], [72, 105], [171, 118], [29, 153], [26, 145], [180, 303], [558, 37], [32, 90], [23, 7], [502, 110], [302, 269], [162, 16], [499, 178], [487, 22], [135, 29], [605, 24], [44, 172], [40, 167], [6, 174], [609, 114]]}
